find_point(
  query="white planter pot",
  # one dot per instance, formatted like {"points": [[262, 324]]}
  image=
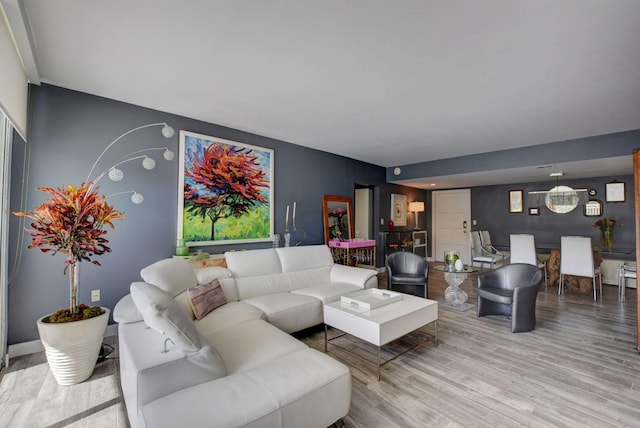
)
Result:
{"points": [[72, 348]]}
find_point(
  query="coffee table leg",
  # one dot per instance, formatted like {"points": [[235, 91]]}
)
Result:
{"points": [[378, 363], [435, 332], [325, 338]]}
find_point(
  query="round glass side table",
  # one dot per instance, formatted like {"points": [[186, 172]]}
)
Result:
{"points": [[453, 294]]}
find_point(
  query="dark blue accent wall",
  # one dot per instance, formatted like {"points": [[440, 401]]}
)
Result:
{"points": [[69, 129], [489, 206]]}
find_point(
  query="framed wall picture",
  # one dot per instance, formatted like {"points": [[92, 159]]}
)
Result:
{"points": [[515, 201], [615, 191], [399, 209], [534, 211], [593, 208], [216, 206]]}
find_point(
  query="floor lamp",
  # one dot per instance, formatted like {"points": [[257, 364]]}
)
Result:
{"points": [[416, 207]]}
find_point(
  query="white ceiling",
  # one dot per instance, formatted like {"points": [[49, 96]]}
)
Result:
{"points": [[386, 82]]}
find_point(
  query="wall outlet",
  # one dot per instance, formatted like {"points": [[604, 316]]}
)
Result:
{"points": [[95, 295], [381, 222], [475, 222]]}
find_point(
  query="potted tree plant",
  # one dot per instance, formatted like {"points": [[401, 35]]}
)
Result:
{"points": [[72, 222]]}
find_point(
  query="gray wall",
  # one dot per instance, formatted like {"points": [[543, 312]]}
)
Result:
{"points": [[489, 207], [68, 130]]}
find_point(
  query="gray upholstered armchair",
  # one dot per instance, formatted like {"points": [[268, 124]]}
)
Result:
{"points": [[407, 273], [512, 291]]}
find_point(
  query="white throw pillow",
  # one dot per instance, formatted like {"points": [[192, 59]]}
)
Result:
{"points": [[171, 275], [164, 314]]}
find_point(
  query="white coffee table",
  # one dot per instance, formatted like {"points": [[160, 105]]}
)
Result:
{"points": [[384, 324]]}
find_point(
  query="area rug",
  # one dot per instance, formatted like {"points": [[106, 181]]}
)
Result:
{"points": [[459, 308]]}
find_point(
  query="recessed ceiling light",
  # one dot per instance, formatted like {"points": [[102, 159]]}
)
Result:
{"points": [[556, 174], [397, 171]]}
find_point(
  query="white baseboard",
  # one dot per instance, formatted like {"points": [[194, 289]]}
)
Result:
{"points": [[33, 346]]}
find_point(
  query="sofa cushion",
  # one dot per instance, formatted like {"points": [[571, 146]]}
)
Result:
{"points": [[205, 298], [253, 263], [328, 292], [233, 401], [303, 389], [171, 275], [308, 277], [305, 257], [289, 311], [207, 274], [231, 314], [301, 380], [164, 314], [126, 311], [251, 344], [263, 284]]}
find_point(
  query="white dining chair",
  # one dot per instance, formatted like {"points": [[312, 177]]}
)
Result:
{"points": [[626, 270], [523, 250], [479, 255], [485, 240], [576, 258]]}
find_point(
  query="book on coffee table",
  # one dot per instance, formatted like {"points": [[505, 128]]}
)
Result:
{"points": [[369, 299]]}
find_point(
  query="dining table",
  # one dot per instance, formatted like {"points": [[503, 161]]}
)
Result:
{"points": [[573, 282]]}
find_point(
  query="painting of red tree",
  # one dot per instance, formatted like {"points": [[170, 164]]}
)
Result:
{"points": [[226, 191]]}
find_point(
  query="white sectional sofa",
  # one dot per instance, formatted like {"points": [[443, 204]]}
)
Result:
{"points": [[237, 366]]}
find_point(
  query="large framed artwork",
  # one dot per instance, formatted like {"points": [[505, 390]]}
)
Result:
{"points": [[225, 191], [399, 209]]}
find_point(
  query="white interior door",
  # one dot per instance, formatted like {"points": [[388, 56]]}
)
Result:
{"points": [[451, 223], [363, 213]]}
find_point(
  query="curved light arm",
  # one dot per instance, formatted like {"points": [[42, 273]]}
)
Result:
{"points": [[127, 159], [111, 167], [167, 131], [136, 197]]}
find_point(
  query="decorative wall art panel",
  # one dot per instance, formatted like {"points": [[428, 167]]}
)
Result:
{"points": [[225, 193]]}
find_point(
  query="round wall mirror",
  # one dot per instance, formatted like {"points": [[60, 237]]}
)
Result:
{"points": [[561, 199]]}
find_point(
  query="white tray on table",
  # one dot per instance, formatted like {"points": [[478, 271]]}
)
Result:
{"points": [[370, 299]]}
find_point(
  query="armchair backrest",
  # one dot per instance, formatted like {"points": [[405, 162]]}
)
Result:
{"points": [[508, 277], [576, 256], [407, 263], [523, 249]]}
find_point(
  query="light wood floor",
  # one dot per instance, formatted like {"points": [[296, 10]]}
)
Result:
{"points": [[580, 367]]}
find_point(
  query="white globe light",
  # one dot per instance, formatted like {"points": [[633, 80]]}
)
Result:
{"points": [[115, 174], [137, 198], [148, 163], [169, 155], [168, 131]]}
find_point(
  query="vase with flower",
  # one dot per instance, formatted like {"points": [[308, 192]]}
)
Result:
{"points": [[606, 226]]}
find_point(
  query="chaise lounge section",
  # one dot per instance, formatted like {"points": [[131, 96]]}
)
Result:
{"points": [[236, 365]]}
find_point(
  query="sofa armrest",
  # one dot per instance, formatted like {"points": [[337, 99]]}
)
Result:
{"points": [[365, 278]]}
